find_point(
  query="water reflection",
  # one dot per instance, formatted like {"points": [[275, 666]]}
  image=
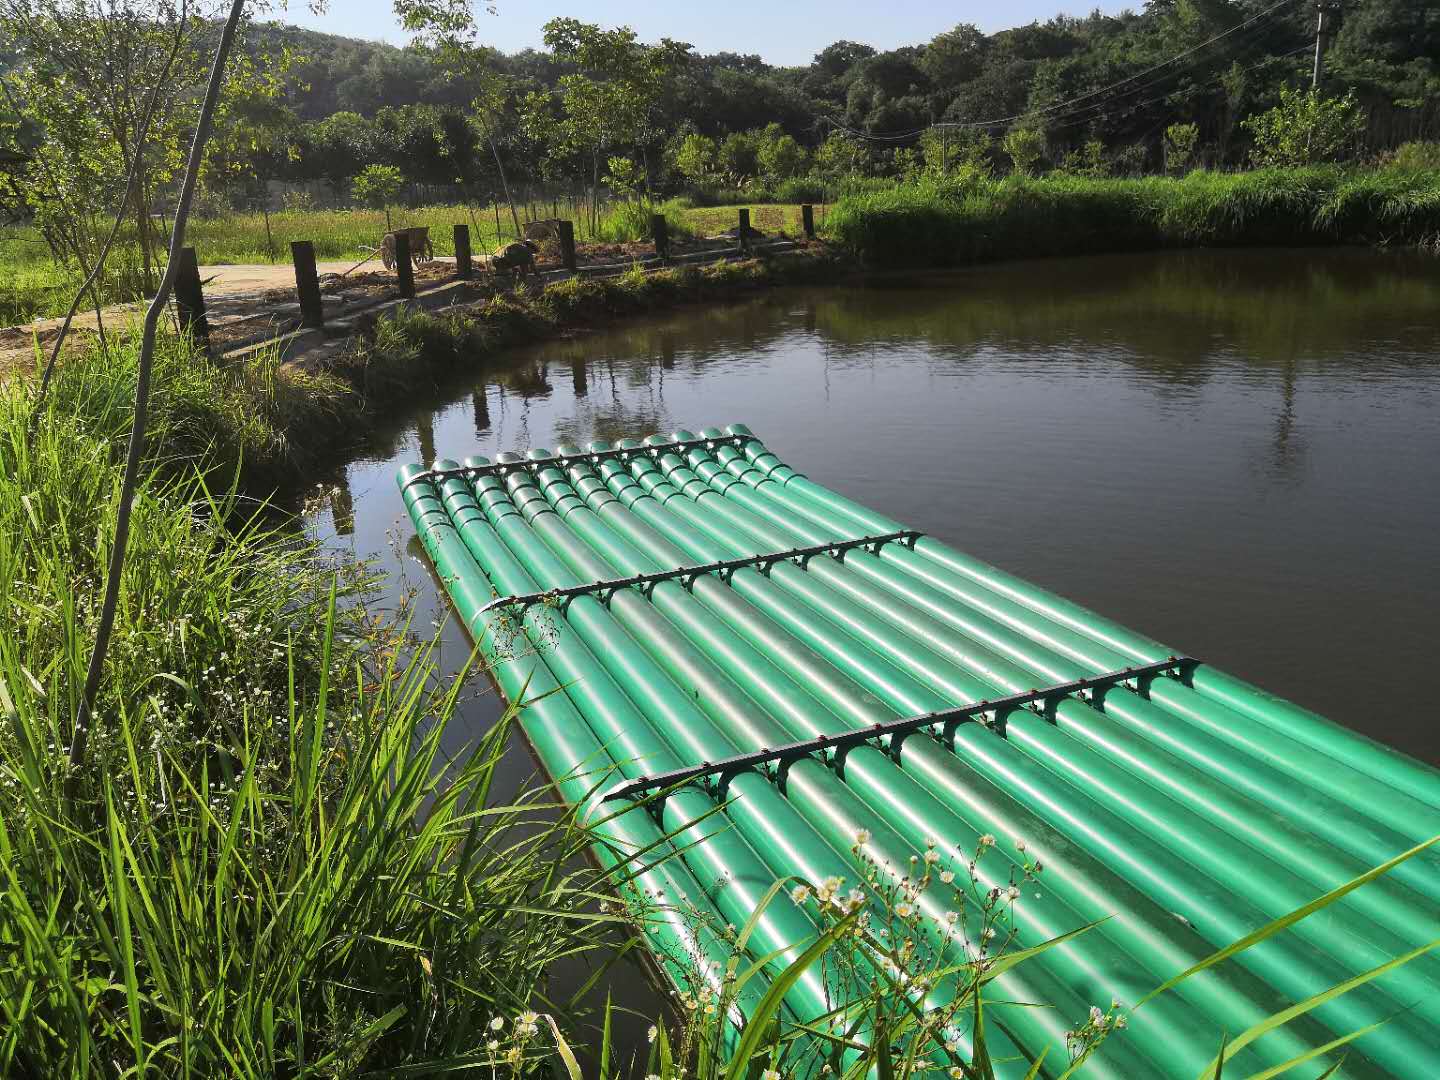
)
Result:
{"points": [[1235, 452]]}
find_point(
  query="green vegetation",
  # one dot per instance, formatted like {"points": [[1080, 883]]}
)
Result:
{"points": [[268, 868], [954, 220], [600, 114]]}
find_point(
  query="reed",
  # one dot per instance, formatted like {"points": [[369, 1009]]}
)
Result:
{"points": [[972, 218], [269, 867]]}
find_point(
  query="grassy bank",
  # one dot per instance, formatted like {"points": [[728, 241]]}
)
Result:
{"points": [[292, 421], [975, 218], [265, 867]]}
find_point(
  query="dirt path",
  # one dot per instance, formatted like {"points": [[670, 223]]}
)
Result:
{"points": [[234, 294]]}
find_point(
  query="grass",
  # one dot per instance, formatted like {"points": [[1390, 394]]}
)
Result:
{"points": [[267, 868], [36, 287], [974, 218]]}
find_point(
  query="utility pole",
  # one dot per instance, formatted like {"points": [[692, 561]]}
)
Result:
{"points": [[1322, 8]]}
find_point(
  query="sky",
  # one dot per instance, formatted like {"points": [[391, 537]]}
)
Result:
{"points": [[786, 32]]}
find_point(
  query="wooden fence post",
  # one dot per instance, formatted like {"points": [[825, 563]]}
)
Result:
{"points": [[190, 299], [404, 268], [660, 231], [567, 245], [807, 219], [463, 268], [742, 234], [307, 284]]}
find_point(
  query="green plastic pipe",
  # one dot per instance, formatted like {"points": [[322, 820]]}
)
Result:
{"points": [[1315, 865], [828, 804], [1312, 811], [1287, 729], [711, 847], [636, 501], [806, 854], [629, 841], [960, 688]]}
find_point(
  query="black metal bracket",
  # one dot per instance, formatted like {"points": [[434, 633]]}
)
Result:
{"points": [[504, 468], [724, 567], [945, 719]]}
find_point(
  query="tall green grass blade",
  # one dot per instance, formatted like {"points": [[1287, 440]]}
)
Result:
{"points": [[1277, 925]]}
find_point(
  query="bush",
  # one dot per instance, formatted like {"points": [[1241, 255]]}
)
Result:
{"points": [[1025, 147], [1306, 128], [1181, 141], [378, 186], [1416, 156], [802, 189], [628, 221]]}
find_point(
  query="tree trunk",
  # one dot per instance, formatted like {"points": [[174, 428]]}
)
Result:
{"points": [[136, 449]]}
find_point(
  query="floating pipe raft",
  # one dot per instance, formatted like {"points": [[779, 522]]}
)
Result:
{"points": [[788, 668]]}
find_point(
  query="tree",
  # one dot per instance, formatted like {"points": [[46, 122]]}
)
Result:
{"points": [[954, 57], [779, 156], [449, 27], [107, 83], [739, 157], [695, 157], [611, 99], [1304, 129], [377, 187], [1180, 143], [1025, 146], [839, 156]]}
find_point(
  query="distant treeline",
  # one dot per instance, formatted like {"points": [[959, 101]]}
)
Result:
{"points": [[1100, 80]]}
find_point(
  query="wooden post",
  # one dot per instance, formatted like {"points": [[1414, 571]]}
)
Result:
{"points": [[567, 245], [307, 284], [660, 231], [807, 219], [742, 234], [189, 299], [463, 268], [404, 268]]}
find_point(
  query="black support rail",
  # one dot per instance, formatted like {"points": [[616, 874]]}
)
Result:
{"points": [[688, 574], [502, 468], [948, 719]]}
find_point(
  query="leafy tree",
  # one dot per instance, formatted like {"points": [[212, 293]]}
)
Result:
{"points": [[1180, 144], [839, 156], [341, 145], [1025, 146], [378, 186], [450, 27], [695, 157], [625, 177], [956, 56], [780, 156], [612, 98], [110, 125], [739, 157], [1305, 128]]}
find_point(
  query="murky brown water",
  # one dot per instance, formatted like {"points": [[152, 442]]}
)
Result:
{"points": [[1237, 453]]}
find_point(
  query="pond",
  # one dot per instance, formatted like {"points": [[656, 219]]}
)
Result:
{"points": [[1236, 453]]}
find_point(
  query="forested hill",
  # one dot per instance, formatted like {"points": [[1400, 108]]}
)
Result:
{"points": [[1387, 50]]}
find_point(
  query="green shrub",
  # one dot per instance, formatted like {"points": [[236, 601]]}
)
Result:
{"points": [[629, 220], [1306, 128], [1416, 156]]}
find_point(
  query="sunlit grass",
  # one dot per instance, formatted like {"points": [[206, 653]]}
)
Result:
{"points": [[972, 218]]}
